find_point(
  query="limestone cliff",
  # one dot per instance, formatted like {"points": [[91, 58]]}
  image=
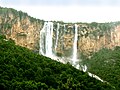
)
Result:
{"points": [[25, 31], [91, 37], [20, 27]]}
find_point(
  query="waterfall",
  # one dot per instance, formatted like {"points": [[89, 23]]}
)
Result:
{"points": [[74, 58], [49, 33], [57, 34], [41, 42], [46, 40], [46, 46]]}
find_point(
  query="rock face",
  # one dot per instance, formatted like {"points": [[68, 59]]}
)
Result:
{"points": [[26, 32], [20, 27]]}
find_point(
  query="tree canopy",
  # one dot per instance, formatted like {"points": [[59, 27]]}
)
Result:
{"points": [[106, 64], [23, 69]]}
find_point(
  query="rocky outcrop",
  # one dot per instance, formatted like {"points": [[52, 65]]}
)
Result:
{"points": [[91, 37], [20, 27], [25, 31]]}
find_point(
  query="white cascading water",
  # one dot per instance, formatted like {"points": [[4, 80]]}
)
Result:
{"points": [[46, 40], [41, 42], [57, 34], [74, 58], [49, 34]]}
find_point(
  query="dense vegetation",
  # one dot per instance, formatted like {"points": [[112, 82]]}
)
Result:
{"points": [[106, 64], [21, 69]]}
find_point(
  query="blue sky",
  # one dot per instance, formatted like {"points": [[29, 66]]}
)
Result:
{"points": [[68, 10]]}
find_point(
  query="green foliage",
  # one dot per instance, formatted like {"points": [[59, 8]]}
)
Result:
{"points": [[21, 69], [94, 24], [59, 54], [106, 64], [101, 29], [2, 37]]}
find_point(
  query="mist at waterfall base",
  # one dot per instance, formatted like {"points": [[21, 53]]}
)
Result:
{"points": [[48, 46]]}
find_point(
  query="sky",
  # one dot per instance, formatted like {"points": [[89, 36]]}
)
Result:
{"points": [[68, 10]]}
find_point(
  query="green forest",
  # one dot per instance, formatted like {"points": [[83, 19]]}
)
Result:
{"points": [[106, 64], [22, 69]]}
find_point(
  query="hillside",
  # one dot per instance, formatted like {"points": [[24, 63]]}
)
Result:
{"points": [[106, 64], [21, 69]]}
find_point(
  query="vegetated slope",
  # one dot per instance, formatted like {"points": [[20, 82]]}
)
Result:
{"points": [[106, 64], [22, 69]]}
